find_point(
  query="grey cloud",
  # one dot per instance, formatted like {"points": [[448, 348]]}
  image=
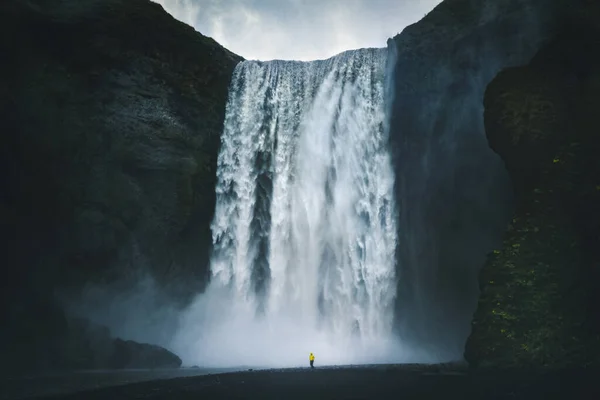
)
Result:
{"points": [[298, 29]]}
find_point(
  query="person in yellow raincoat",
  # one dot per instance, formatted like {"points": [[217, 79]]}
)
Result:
{"points": [[311, 358]]}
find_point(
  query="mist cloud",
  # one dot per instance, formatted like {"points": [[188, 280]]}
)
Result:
{"points": [[298, 29]]}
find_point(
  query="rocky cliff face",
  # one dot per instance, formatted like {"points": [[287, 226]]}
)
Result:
{"points": [[111, 114], [540, 288], [453, 191]]}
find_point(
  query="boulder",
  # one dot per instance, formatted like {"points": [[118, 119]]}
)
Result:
{"points": [[91, 346], [130, 354]]}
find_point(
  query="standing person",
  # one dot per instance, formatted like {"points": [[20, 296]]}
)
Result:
{"points": [[311, 358]]}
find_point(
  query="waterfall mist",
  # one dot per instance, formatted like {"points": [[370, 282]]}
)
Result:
{"points": [[305, 228]]}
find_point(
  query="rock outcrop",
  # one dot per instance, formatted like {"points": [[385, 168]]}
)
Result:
{"points": [[540, 289], [111, 117], [89, 346], [454, 193]]}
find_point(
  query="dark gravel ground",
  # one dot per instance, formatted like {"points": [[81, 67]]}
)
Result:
{"points": [[363, 382], [22, 387]]}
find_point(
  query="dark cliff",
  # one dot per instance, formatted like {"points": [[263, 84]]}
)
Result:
{"points": [[540, 289], [454, 193], [111, 117], [112, 112]]}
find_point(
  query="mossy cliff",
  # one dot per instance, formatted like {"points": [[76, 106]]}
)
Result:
{"points": [[540, 293], [454, 194]]}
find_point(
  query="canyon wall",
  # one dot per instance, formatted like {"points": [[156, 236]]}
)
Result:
{"points": [[111, 119], [453, 191], [540, 288]]}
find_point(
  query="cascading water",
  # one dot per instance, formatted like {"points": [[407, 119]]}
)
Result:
{"points": [[305, 224]]}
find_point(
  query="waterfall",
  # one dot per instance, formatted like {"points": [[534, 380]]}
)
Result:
{"points": [[304, 230]]}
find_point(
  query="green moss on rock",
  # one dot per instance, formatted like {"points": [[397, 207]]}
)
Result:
{"points": [[537, 306]]}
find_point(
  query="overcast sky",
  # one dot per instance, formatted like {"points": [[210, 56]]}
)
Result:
{"points": [[298, 29]]}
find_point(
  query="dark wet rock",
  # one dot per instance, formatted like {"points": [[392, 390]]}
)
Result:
{"points": [[130, 354], [111, 116], [539, 301], [454, 195], [91, 346], [111, 137], [83, 345]]}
